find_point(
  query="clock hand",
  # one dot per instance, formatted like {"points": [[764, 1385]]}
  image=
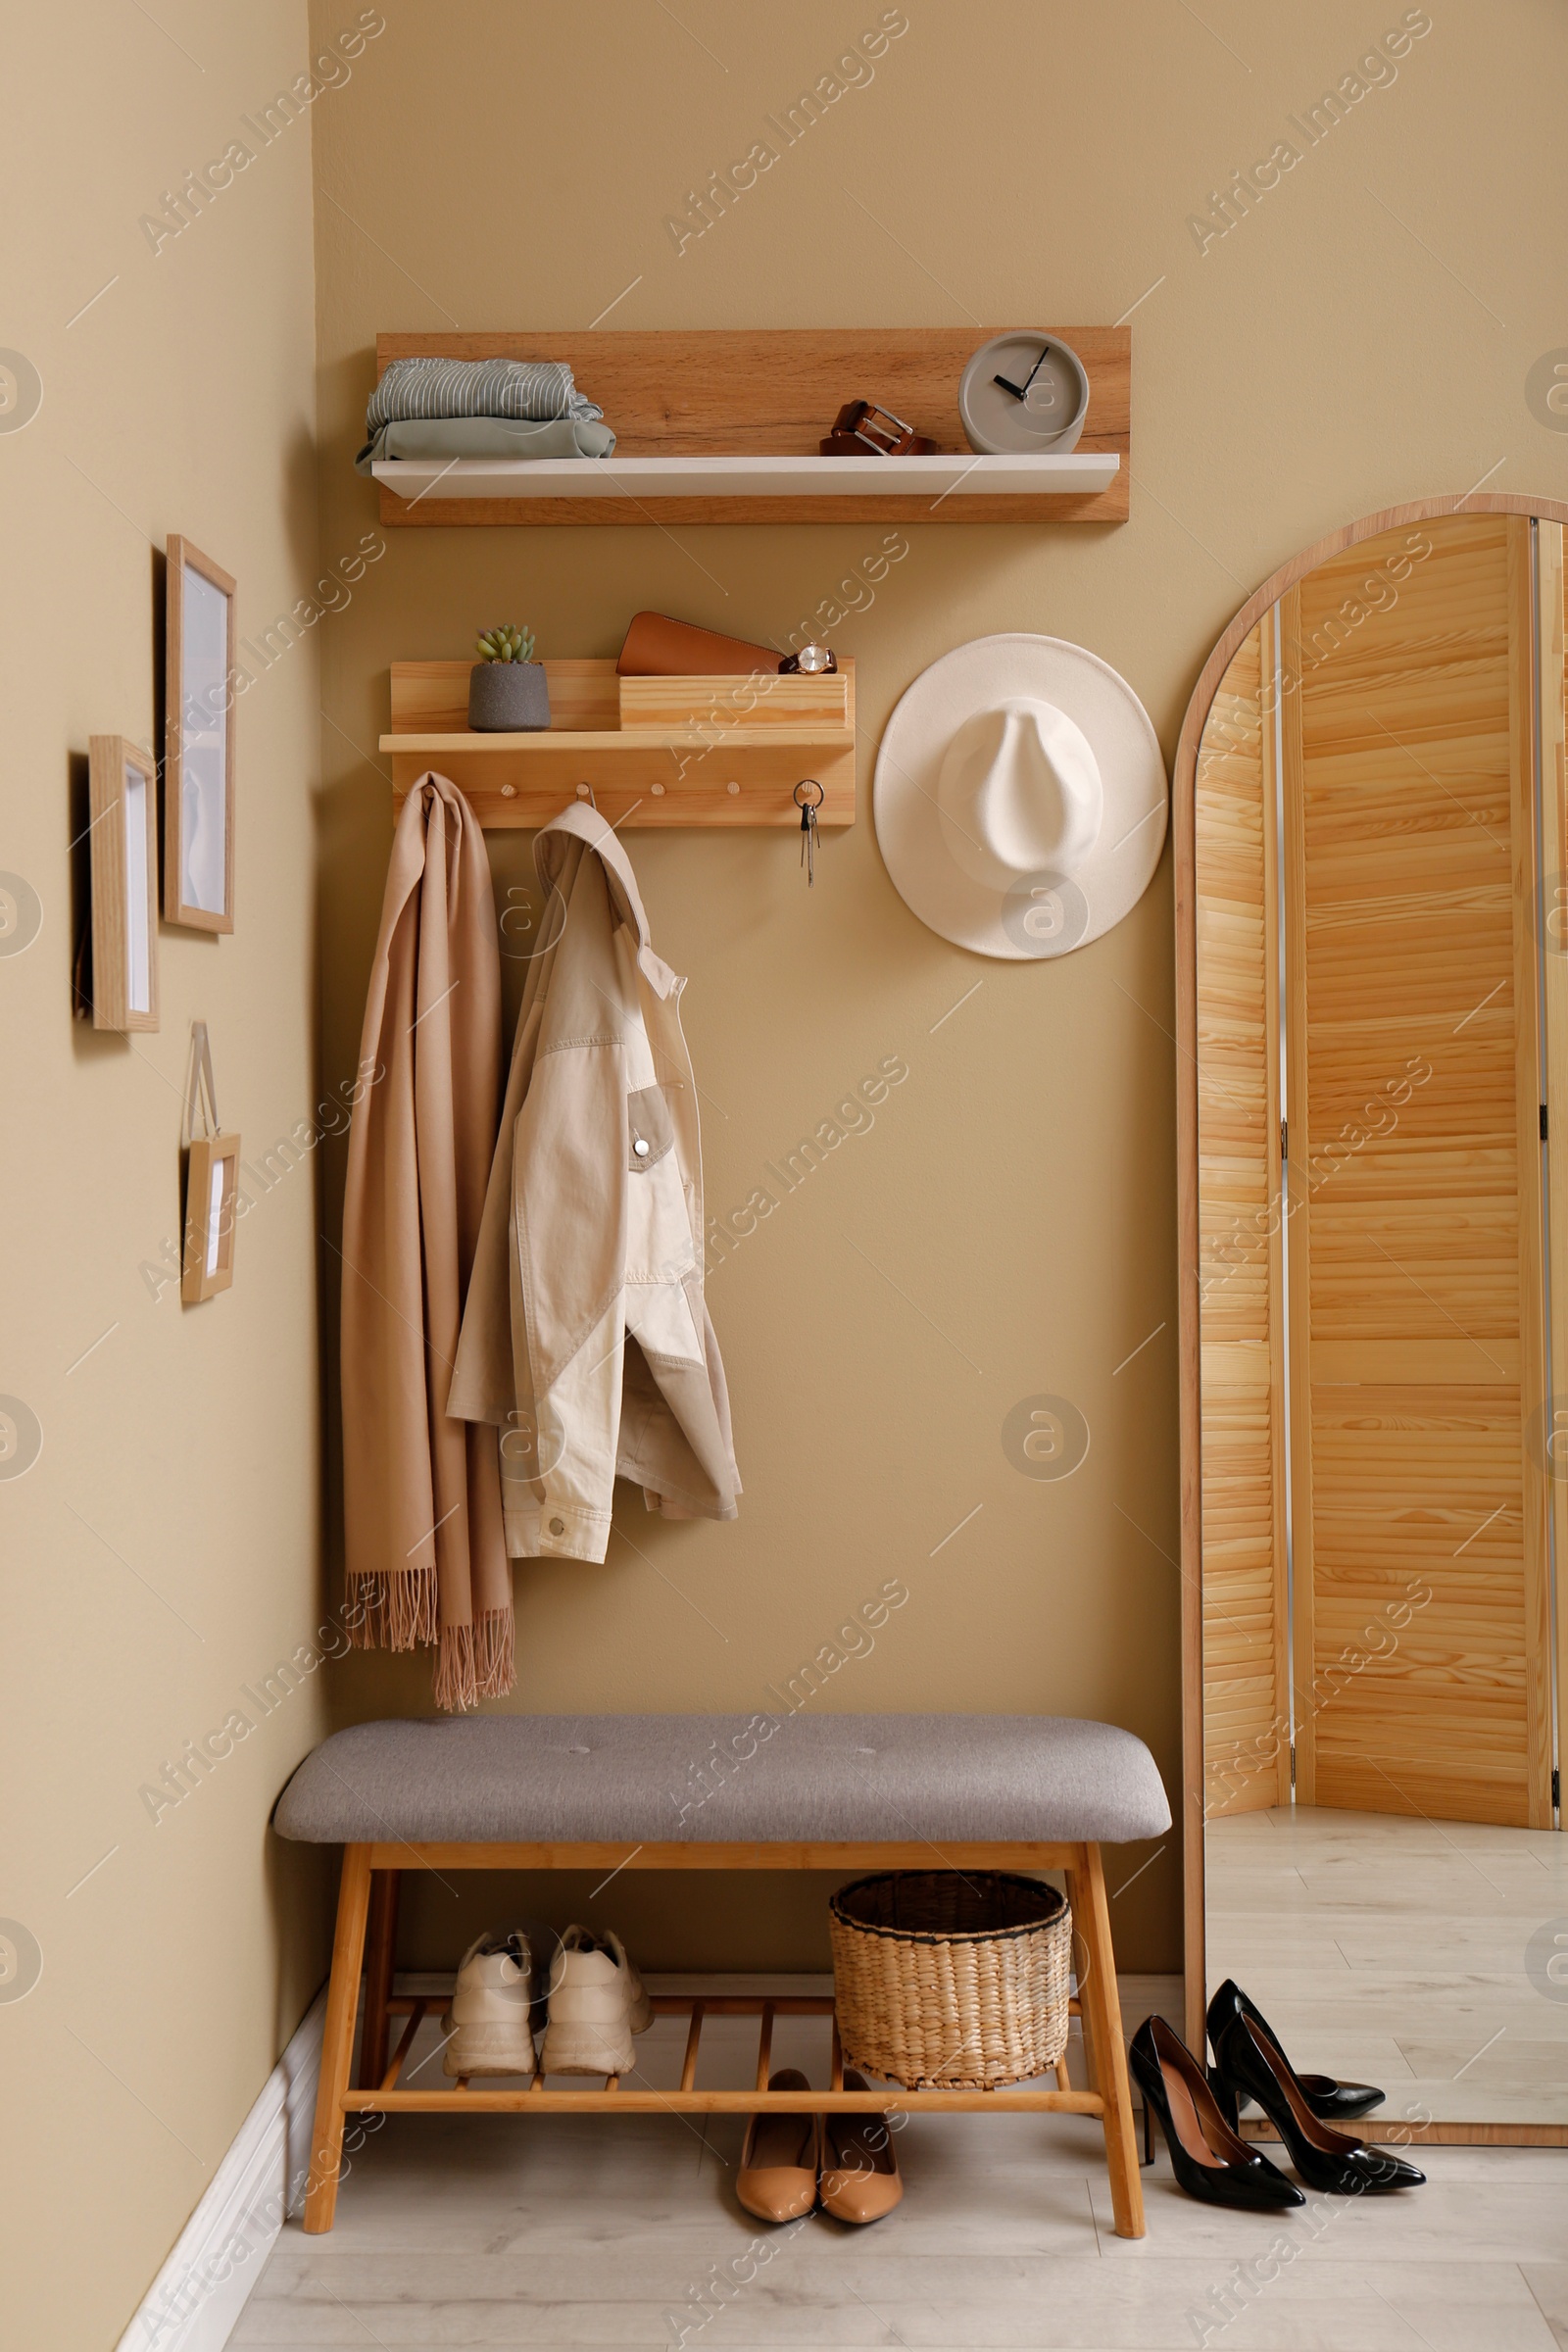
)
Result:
{"points": [[1019, 391]]}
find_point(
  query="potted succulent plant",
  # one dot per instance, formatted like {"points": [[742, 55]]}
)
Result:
{"points": [[508, 690]]}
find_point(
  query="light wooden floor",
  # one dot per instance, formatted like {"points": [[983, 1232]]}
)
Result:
{"points": [[491, 2231], [1394, 1951]]}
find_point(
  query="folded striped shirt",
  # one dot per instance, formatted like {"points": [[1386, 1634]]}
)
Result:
{"points": [[537, 389]]}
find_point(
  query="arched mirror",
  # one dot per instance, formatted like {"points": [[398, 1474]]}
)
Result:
{"points": [[1373, 994]]}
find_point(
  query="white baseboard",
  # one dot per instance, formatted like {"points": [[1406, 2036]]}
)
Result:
{"points": [[196, 2299]]}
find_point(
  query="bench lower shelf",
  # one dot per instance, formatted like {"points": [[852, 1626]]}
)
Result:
{"points": [[530, 2094], [721, 2102]]}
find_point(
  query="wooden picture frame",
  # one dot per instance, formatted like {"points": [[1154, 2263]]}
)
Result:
{"points": [[199, 742], [123, 839], [212, 1193]]}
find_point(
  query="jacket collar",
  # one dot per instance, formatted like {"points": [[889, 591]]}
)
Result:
{"points": [[580, 822]]}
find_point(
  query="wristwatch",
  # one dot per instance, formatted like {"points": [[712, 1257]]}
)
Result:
{"points": [[812, 661]]}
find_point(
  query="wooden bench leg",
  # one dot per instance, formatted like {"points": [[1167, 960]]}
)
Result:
{"points": [[1103, 2041], [1078, 1897], [380, 1953], [337, 2039]]}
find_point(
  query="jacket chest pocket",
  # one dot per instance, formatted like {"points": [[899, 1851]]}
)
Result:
{"points": [[650, 1130], [659, 1247]]}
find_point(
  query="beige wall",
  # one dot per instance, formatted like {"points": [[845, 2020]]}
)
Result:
{"points": [[1016, 1194], [1364, 336], [163, 1552]]}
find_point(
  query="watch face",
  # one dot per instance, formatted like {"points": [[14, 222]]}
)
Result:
{"points": [[814, 658], [1038, 405]]}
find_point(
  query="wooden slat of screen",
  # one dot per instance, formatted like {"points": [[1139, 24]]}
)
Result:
{"points": [[1412, 810], [1524, 737], [1245, 1699], [1552, 631]]}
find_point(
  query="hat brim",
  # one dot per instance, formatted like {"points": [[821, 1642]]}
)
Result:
{"points": [[1044, 915]]}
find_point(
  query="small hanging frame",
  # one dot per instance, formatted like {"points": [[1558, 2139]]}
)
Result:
{"points": [[211, 1182]]}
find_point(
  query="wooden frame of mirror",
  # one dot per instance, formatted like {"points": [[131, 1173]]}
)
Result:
{"points": [[1547, 647]]}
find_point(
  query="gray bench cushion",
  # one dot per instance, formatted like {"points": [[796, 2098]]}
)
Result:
{"points": [[594, 1779]]}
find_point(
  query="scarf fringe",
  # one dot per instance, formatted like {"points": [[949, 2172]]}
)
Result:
{"points": [[476, 1661], [400, 1611], [391, 1611]]}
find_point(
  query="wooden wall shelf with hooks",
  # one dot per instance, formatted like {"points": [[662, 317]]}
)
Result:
{"points": [[737, 763], [687, 400]]}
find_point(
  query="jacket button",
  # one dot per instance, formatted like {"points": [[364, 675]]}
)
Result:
{"points": [[558, 1527], [640, 1148]]}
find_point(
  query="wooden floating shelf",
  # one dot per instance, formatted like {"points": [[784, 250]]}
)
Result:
{"points": [[723, 426], [736, 761]]}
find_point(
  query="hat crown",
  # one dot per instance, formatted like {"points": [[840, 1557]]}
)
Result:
{"points": [[1019, 792]]}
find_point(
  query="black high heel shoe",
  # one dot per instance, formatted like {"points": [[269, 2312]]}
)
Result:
{"points": [[1207, 2159], [1331, 2102], [1254, 2065]]}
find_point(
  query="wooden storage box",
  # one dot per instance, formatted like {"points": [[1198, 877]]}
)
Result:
{"points": [[762, 698]]}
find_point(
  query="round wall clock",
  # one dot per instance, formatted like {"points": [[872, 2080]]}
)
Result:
{"points": [[1025, 394]]}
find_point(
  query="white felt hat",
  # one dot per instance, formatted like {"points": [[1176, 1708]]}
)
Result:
{"points": [[1020, 797]]}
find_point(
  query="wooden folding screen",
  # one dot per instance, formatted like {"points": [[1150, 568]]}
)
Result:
{"points": [[1416, 1308], [1395, 689]]}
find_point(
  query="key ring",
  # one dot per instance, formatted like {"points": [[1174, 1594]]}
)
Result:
{"points": [[808, 810]]}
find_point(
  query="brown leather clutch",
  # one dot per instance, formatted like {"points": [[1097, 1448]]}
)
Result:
{"points": [[657, 646]]}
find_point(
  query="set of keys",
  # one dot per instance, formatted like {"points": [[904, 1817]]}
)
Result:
{"points": [[808, 810]]}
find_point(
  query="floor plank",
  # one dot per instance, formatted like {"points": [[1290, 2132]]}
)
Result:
{"points": [[571, 2232]]}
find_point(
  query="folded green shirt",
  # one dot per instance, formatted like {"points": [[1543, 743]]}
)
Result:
{"points": [[487, 437]]}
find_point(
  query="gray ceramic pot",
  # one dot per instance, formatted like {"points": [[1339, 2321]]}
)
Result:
{"points": [[510, 697]]}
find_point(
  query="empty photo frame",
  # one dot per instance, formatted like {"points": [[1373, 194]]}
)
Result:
{"points": [[198, 752], [212, 1195], [123, 842]]}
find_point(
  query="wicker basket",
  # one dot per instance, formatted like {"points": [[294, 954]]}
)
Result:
{"points": [[952, 1978]]}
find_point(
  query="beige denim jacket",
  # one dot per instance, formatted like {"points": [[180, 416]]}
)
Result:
{"points": [[585, 1333]]}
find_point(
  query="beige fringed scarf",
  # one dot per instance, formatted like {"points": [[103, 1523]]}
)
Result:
{"points": [[427, 1557]]}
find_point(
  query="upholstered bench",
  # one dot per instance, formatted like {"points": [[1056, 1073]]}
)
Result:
{"points": [[797, 1792]]}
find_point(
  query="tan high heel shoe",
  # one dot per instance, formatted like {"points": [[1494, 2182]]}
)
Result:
{"points": [[781, 2157], [860, 2179]]}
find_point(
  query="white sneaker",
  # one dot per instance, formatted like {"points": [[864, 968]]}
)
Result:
{"points": [[642, 2008], [594, 1995], [489, 2023]]}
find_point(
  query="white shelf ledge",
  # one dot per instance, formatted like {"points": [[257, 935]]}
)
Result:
{"points": [[1079, 475]]}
